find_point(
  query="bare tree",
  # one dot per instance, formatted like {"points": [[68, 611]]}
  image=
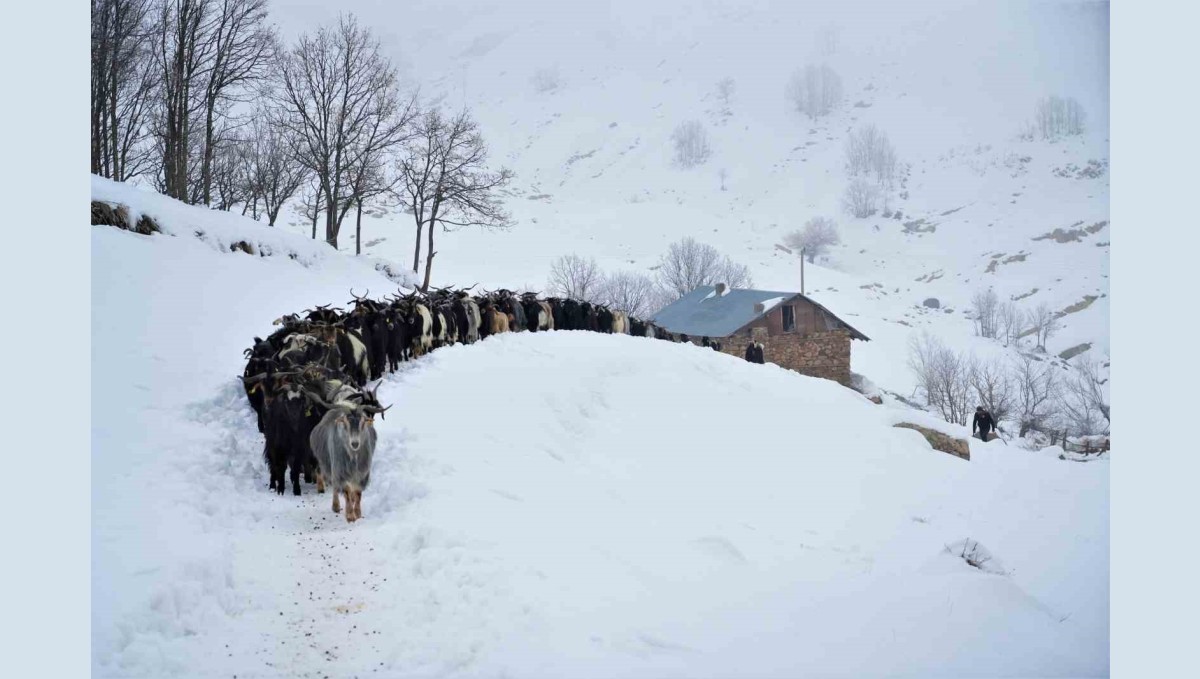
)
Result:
{"points": [[861, 198], [122, 82], [1010, 322], [339, 96], [275, 172], [1084, 399], [232, 181], [629, 291], [689, 265], [827, 40], [575, 277], [943, 377], [240, 46], [312, 203], [691, 144], [815, 90], [870, 152], [367, 178], [1043, 324], [182, 54], [819, 234], [725, 89], [444, 179], [1035, 389], [992, 385], [1058, 117], [985, 312]]}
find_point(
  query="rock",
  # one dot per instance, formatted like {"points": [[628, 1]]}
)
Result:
{"points": [[876, 400], [939, 441], [932, 303]]}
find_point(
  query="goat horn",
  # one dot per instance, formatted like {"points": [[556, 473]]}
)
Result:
{"points": [[318, 399]]}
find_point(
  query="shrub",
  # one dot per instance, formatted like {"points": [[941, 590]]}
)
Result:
{"points": [[815, 90], [691, 144], [861, 198], [815, 240], [1058, 117]]}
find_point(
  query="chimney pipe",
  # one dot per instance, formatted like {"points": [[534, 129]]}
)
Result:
{"points": [[759, 307], [720, 289]]}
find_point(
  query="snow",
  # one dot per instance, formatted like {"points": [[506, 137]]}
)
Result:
{"points": [[771, 303], [551, 504]]}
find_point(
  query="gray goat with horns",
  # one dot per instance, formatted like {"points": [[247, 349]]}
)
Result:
{"points": [[344, 443]]}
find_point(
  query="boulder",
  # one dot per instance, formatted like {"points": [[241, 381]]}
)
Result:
{"points": [[939, 441], [932, 303]]}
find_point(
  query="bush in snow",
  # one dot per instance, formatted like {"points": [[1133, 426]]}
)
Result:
{"points": [[575, 277], [870, 153], [819, 234], [689, 265], [815, 90], [861, 198], [691, 144], [976, 555]]}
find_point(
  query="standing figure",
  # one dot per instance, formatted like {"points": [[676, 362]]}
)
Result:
{"points": [[983, 422]]}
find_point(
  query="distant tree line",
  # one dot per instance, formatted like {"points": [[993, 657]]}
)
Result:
{"points": [[200, 99], [687, 265]]}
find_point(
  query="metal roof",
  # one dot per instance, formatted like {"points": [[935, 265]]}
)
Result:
{"points": [[701, 313]]}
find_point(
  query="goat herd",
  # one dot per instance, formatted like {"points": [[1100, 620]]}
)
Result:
{"points": [[307, 380]]}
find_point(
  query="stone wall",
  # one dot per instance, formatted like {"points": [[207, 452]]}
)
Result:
{"points": [[819, 354]]}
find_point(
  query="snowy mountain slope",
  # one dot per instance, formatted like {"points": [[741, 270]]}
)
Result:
{"points": [[556, 504], [951, 84]]}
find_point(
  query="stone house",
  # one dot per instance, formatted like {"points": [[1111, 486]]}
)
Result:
{"points": [[796, 332]]}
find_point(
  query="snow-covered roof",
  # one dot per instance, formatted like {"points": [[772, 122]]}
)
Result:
{"points": [[701, 313]]}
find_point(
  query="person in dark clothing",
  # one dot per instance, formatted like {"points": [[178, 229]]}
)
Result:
{"points": [[704, 341], [983, 422], [750, 352]]}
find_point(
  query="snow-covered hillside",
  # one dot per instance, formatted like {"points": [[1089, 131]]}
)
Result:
{"points": [[951, 83], [554, 504]]}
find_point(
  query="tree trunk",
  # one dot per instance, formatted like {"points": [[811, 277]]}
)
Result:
{"points": [[358, 229], [315, 212], [331, 231], [206, 163], [417, 249], [428, 261]]}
